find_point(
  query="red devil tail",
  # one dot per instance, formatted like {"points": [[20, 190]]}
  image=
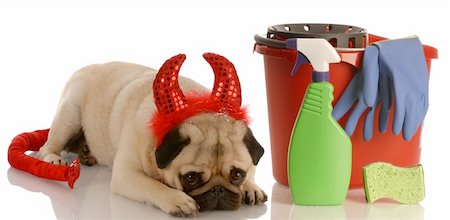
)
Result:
{"points": [[33, 141]]}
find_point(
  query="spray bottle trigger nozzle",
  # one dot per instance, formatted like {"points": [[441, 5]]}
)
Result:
{"points": [[301, 58], [317, 51]]}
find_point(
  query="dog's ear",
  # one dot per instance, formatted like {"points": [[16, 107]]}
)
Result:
{"points": [[254, 148], [170, 147]]}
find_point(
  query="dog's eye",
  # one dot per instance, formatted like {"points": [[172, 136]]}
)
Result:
{"points": [[192, 179], [237, 176]]}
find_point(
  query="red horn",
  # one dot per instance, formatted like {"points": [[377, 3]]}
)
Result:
{"points": [[227, 89], [167, 93]]}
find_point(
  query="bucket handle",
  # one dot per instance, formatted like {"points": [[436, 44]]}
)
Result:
{"points": [[269, 42], [352, 56], [282, 44]]}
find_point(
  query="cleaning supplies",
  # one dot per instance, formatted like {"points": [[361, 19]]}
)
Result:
{"points": [[361, 95], [394, 74], [384, 180], [319, 158]]}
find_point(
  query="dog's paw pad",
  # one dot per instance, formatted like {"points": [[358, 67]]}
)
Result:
{"points": [[86, 157], [180, 204], [54, 159], [180, 212], [253, 195]]}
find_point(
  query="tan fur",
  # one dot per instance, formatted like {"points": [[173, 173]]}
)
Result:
{"points": [[216, 147], [113, 103]]}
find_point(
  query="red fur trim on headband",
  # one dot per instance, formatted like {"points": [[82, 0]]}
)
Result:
{"points": [[161, 123]]}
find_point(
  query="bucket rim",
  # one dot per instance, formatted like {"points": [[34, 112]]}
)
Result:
{"points": [[273, 47]]}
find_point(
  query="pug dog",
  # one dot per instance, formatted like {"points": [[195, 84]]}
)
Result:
{"points": [[180, 153]]}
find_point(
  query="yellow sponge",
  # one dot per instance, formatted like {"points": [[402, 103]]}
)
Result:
{"points": [[384, 180]]}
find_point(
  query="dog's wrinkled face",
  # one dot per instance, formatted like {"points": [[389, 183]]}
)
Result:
{"points": [[210, 157]]}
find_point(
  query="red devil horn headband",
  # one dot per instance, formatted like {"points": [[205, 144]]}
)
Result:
{"points": [[174, 107], [227, 88], [168, 95]]}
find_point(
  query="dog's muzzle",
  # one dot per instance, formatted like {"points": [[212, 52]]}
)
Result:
{"points": [[218, 198]]}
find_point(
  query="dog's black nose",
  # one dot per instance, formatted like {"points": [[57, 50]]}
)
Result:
{"points": [[218, 197], [218, 191]]}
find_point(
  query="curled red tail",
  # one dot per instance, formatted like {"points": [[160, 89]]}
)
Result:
{"points": [[33, 141]]}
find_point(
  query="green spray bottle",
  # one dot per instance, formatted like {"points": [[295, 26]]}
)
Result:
{"points": [[320, 152]]}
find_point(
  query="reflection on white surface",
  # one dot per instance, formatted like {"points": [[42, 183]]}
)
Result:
{"points": [[91, 199], [354, 207]]}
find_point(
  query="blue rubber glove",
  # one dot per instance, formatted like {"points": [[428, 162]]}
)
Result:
{"points": [[404, 80], [392, 70], [363, 90]]}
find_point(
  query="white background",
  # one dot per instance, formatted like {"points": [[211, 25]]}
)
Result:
{"points": [[43, 42]]}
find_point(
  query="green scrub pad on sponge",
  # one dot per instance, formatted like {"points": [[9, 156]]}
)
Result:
{"points": [[384, 180]]}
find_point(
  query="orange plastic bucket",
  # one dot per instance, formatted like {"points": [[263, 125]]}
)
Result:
{"points": [[285, 95]]}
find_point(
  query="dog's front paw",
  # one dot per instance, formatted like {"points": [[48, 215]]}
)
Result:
{"points": [[179, 204], [53, 158], [252, 194]]}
